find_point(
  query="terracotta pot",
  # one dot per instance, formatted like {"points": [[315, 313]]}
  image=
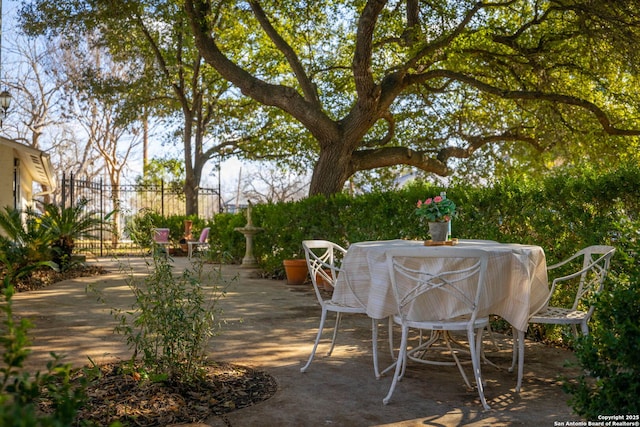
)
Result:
{"points": [[323, 283], [296, 271], [188, 226]]}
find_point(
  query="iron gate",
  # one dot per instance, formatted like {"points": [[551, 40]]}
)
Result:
{"points": [[123, 202]]}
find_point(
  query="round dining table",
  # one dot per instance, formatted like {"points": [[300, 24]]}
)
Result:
{"points": [[515, 284]]}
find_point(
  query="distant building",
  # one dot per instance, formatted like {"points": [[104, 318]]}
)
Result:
{"points": [[233, 208]]}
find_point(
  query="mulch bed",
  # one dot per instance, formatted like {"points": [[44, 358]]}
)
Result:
{"points": [[46, 276], [119, 395], [122, 395]]}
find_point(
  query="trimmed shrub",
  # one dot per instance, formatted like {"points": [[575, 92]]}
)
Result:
{"points": [[563, 213]]}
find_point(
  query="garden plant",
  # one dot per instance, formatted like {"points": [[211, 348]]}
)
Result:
{"points": [[28, 238], [174, 316]]}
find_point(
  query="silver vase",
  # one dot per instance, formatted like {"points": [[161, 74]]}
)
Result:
{"points": [[439, 231]]}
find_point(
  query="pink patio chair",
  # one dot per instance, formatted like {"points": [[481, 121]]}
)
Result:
{"points": [[161, 239], [161, 236], [202, 244]]}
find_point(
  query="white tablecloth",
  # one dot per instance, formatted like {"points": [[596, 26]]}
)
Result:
{"points": [[516, 280]]}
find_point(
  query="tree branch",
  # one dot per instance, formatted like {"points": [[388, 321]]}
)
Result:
{"points": [[388, 117], [599, 114], [283, 97], [392, 156], [362, 71], [444, 41], [434, 161], [306, 84]]}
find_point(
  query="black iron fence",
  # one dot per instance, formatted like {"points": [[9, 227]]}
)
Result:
{"points": [[123, 202]]}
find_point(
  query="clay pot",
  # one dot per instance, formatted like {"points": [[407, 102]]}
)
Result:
{"points": [[323, 283], [296, 271]]}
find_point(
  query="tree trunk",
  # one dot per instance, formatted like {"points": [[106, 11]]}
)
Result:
{"points": [[190, 183], [331, 172], [115, 217], [191, 197]]}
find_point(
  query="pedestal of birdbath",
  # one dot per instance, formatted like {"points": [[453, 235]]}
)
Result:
{"points": [[249, 230]]}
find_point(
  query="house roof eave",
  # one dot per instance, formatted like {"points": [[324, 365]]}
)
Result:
{"points": [[37, 162]]}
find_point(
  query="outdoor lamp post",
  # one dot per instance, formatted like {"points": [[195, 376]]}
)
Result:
{"points": [[5, 96], [5, 103]]}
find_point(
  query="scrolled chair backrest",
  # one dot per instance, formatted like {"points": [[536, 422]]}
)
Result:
{"points": [[323, 259], [204, 235], [447, 282]]}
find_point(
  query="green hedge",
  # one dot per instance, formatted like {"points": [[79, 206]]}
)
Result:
{"points": [[562, 213], [227, 244]]}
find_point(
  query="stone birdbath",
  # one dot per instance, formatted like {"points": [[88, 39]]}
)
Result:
{"points": [[249, 230]]}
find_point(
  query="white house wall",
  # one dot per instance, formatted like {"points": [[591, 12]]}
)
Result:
{"points": [[6, 176]]}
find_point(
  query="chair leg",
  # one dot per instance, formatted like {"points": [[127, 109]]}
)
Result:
{"points": [[458, 364], [393, 356], [492, 337], [402, 361], [514, 348], [520, 360], [584, 327], [574, 329], [315, 345], [390, 335], [335, 333], [475, 345]]}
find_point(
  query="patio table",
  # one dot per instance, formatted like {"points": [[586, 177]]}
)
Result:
{"points": [[516, 280]]}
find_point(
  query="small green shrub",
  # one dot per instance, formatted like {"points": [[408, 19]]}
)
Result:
{"points": [[172, 320], [30, 237], [22, 393], [140, 228], [227, 244], [64, 225], [609, 356], [23, 242]]}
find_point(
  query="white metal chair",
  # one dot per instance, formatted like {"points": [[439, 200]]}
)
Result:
{"points": [[201, 244], [418, 285], [592, 265], [323, 260]]}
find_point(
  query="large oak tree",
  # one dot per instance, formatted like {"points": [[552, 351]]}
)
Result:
{"points": [[424, 82], [433, 84]]}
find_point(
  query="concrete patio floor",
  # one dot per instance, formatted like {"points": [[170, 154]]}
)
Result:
{"points": [[271, 326]]}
